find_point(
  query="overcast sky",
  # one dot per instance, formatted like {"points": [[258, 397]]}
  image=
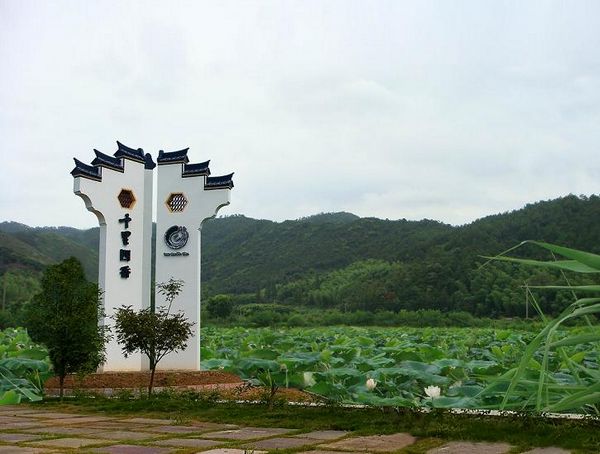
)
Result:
{"points": [[443, 110]]}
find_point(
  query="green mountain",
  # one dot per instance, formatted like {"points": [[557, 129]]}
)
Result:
{"points": [[33, 248], [243, 255], [343, 261]]}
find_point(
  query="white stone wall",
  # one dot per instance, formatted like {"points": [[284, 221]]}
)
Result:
{"points": [[100, 197], [201, 205]]}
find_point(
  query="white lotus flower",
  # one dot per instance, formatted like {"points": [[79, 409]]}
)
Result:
{"points": [[433, 391], [308, 379], [371, 384]]}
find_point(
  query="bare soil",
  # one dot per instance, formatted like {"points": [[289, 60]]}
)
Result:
{"points": [[134, 380], [221, 385]]}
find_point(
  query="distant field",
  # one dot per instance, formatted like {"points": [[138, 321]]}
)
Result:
{"points": [[469, 366]]}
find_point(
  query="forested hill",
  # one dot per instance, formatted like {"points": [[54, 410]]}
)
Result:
{"points": [[33, 248], [340, 259], [242, 254]]}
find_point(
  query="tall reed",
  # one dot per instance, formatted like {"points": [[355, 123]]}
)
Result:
{"points": [[549, 376]]}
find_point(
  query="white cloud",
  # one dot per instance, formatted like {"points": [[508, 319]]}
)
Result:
{"points": [[392, 109]]}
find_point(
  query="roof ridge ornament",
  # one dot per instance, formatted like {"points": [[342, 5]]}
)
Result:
{"points": [[86, 171], [173, 157], [110, 162], [194, 170], [149, 164], [130, 153], [116, 162], [220, 182]]}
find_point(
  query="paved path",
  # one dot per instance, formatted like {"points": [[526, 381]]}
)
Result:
{"points": [[30, 430]]}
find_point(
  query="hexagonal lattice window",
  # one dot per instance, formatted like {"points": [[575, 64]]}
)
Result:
{"points": [[126, 198], [176, 202]]}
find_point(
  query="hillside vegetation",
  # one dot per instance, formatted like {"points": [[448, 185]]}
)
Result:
{"points": [[340, 261]]}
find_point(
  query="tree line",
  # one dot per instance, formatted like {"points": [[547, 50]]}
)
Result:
{"points": [[338, 261]]}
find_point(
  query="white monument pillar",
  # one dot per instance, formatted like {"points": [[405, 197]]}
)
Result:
{"points": [[186, 197], [118, 190]]}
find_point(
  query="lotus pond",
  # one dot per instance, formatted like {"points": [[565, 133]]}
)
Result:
{"points": [[409, 367], [468, 368]]}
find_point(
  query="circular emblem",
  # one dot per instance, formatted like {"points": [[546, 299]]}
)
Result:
{"points": [[176, 237]]}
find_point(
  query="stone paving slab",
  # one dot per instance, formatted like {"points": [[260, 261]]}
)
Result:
{"points": [[20, 425], [53, 415], [16, 409], [64, 430], [188, 443], [158, 422], [75, 421], [192, 426], [463, 447], [16, 438], [69, 442], [320, 451], [231, 451], [247, 433], [99, 430], [550, 450], [125, 435], [211, 425], [374, 443], [171, 429], [115, 425], [8, 419], [22, 450], [280, 443], [323, 435], [131, 449]]}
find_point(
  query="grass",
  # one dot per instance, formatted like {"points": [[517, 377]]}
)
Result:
{"points": [[522, 430]]}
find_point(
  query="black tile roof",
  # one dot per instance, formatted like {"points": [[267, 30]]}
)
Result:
{"points": [[173, 157], [116, 162], [149, 164], [104, 160], [94, 171], [195, 170], [130, 153], [86, 171], [222, 182]]}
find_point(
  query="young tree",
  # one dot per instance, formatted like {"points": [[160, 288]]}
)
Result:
{"points": [[64, 316], [154, 333]]}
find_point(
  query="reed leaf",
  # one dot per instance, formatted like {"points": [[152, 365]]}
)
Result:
{"points": [[573, 288], [584, 395], [585, 258], [565, 265], [575, 340]]}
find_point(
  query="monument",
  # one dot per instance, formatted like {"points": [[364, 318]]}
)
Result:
{"points": [[118, 190]]}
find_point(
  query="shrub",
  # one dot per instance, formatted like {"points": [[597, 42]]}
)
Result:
{"points": [[219, 306]]}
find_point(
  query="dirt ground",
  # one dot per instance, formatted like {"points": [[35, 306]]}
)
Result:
{"points": [[135, 380], [221, 385]]}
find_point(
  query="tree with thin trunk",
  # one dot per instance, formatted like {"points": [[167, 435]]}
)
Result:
{"points": [[65, 316], [154, 333]]}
